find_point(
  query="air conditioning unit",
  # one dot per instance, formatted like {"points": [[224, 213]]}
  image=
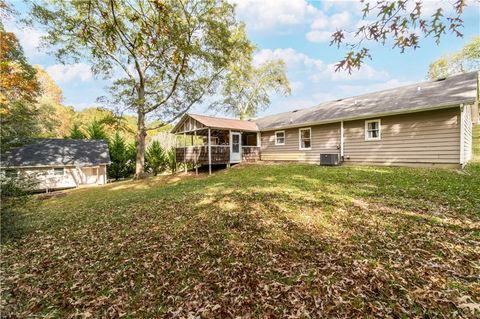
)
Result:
{"points": [[329, 159]]}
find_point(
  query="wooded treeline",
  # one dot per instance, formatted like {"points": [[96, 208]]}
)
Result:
{"points": [[32, 106]]}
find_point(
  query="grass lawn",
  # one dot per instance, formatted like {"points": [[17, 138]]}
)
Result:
{"points": [[257, 241]]}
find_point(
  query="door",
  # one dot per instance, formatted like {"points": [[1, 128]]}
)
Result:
{"points": [[235, 147]]}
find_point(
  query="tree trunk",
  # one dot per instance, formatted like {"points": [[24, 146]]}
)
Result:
{"points": [[140, 158]]}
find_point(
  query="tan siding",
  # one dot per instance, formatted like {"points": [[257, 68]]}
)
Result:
{"points": [[324, 139], [423, 137]]}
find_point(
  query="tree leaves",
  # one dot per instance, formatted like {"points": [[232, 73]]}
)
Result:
{"points": [[465, 60], [401, 22]]}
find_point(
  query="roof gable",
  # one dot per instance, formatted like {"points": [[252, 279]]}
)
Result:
{"points": [[204, 121]]}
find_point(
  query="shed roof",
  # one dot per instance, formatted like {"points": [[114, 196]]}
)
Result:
{"points": [[453, 90], [57, 152]]}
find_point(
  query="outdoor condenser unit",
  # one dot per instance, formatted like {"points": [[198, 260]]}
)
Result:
{"points": [[329, 159]]}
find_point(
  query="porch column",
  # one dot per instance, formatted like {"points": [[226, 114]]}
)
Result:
{"points": [[195, 152], [185, 151], [229, 147], [209, 154]]}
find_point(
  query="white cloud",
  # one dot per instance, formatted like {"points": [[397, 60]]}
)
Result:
{"points": [[340, 20], [324, 26], [292, 58], [29, 38], [296, 86], [319, 36], [69, 72], [316, 70], [274, 15], [351, 5], [366, 72]]}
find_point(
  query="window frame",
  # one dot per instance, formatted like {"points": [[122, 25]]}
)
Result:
{"points": [[300, 138], [57, 168], [379, 137], [284, 137]]}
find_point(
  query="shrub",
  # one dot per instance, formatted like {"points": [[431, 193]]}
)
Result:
{"points": [[155, 159], [171, 160], [119, 156]]}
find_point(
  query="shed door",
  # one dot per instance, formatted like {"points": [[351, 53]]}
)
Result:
{"points": [[235, 147]]}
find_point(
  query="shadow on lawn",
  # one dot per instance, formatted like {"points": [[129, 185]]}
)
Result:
{"points": [[12, 221], [315, 243], [252, 244]]}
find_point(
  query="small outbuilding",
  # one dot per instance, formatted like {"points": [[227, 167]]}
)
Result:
{"points": [[58, 163]]}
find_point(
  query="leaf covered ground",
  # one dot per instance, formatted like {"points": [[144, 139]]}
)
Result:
{"points": [[256, 241]]}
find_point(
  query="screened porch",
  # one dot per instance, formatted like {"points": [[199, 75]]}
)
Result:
{"points": [[203, 140]]}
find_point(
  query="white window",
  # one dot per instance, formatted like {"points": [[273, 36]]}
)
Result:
{"points": [[305, 135], [58, 171], [373, 131], [280, 138]]}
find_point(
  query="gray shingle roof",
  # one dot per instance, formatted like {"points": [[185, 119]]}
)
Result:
{"points": [[453, 90], [58, 152]]}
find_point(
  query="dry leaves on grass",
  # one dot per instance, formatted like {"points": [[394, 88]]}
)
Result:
{"points": [[233, 246]]}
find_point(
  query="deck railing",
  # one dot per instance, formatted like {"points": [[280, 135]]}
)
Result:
{"points": [[250, 153], [220, 154], [199, 154]]}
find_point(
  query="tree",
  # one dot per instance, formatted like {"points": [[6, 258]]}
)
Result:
{"points": [[171, 160], [55, 118], [400, 22], [131, 158], [155, 158], [19, 90], [119, 157], [76, 133], [166, 55], [96, 131], [465, 60], [246, 88]]}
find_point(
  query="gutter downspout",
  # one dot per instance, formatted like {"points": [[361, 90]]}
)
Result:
{"points": [[341, 141]]}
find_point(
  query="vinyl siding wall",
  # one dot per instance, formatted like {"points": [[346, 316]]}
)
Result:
{"points": [[427, 138], [422, 138], [467, 133], [324, 139]]}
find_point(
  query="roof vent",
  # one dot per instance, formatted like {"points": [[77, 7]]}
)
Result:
{"points": [[441, 79]]}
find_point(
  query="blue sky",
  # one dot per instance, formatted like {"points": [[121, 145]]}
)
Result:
{"points": [[298, 32]]}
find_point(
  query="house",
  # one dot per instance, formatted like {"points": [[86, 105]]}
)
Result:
{"points": [[425, 124], [59, 163]]}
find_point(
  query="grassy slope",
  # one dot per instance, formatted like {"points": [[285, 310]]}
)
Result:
{"points": [[257, 241]]}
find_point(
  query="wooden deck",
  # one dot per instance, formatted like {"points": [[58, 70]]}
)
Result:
{"points": [[220, 154]]}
